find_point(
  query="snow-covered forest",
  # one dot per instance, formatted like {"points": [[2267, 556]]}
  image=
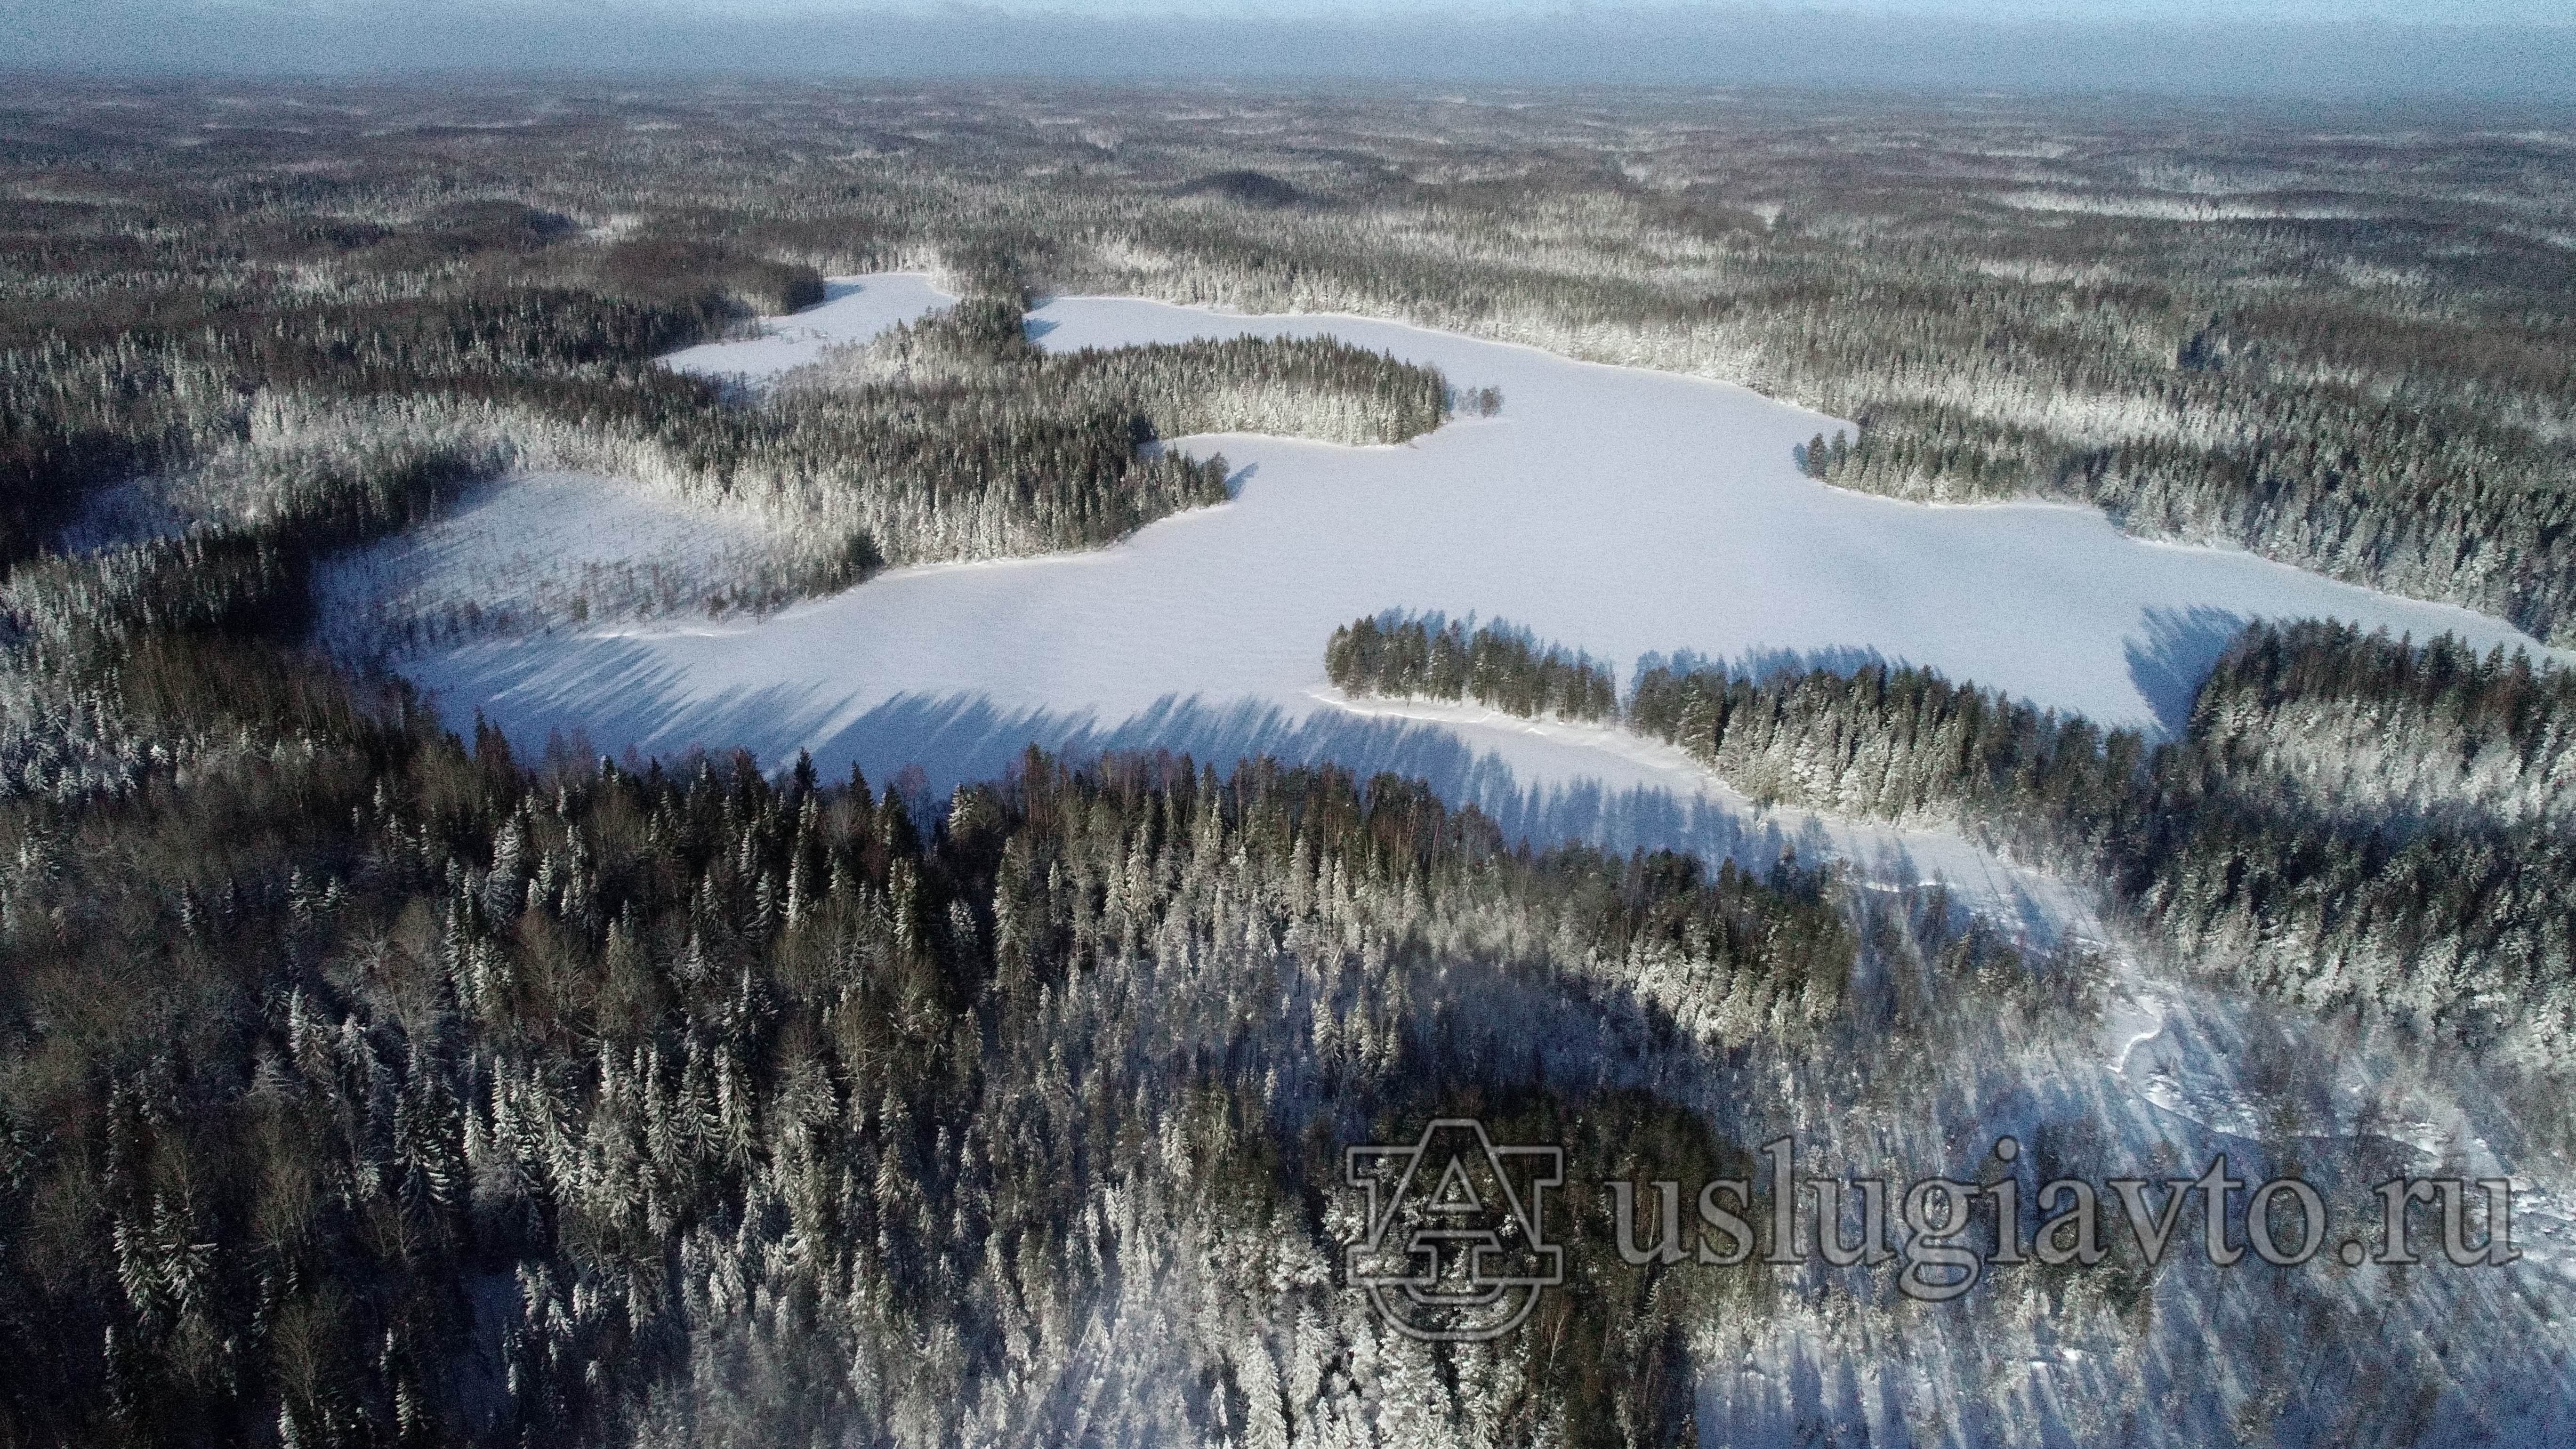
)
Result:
{"points": [[2341, 352], [361, 1083], [1495, 665], [2348, 821], [992, 451]]}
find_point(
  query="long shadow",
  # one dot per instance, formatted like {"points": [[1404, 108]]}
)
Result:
{"points": [[2175, 653], [2167, 661], [625, 695], [957, 738], [1765, 665]]}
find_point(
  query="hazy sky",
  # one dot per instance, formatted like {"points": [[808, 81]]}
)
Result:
{"points": [[2445, 12], [2468, 12], [2521, 49]]}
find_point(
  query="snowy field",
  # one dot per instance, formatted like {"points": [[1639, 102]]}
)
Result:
{"points": [[1617, 510]]}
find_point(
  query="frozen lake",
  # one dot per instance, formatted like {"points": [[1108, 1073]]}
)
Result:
{"points": [[1617, 510]]}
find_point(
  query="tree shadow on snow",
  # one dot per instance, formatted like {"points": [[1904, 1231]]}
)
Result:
{"points": [[625, 695], [962, 737], [1764, 664], [2175, 653]]}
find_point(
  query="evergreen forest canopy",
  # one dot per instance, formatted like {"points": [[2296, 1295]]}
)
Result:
{"points": [[2348, 821], [1495, 665], [362, 1084]]}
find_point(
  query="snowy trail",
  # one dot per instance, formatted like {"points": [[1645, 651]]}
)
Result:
{"points": [[1617, 510], [2176, 1073]]}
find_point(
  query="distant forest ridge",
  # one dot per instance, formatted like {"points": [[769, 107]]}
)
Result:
{"points": [[2349, 355]]}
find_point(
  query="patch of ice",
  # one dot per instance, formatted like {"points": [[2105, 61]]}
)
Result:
{"points": [[2132, 1022]]}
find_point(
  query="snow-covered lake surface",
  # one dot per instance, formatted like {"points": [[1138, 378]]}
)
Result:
{"points": [[1617, 510], [518, 549], [853, 309]]}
